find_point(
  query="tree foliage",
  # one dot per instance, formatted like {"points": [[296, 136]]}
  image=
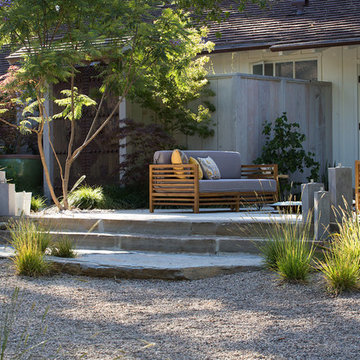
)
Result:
{"points": [[172, 87], [132, 43], [12, 141], [216, 10]]}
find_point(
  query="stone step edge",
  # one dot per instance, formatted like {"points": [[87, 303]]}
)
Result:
{"points": [[94, 269], [161, 244], [144, 235], [127, 272], [152, 236]]}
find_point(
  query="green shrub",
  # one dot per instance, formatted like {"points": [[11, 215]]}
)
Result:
{"points": [[87, 197], [129, 197], [341, 264], [37, 203], [284, 146], [63, 248], [30, 245], [287, 251]]}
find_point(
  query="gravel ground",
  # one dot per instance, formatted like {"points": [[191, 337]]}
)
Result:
{"points": [[242, 316]]}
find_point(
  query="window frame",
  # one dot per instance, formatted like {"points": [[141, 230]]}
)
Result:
{"points": [[274, 62]]}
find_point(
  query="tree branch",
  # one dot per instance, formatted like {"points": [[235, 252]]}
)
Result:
{"points": [[96, 116], [56, 157], [72, 122]]}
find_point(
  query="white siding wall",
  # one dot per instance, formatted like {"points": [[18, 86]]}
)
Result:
{"points": [[338, 65]]}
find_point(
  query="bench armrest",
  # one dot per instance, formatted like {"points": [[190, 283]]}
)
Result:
{"points": [[174, 179], [263, 171]]}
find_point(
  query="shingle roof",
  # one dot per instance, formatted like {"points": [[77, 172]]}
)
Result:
{"points": [[324, 23]]}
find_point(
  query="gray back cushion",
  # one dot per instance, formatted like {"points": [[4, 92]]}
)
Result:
{"points": [[228, 162]]}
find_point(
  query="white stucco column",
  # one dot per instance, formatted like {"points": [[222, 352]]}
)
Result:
{"points": [[122, 142], [48, 133]]}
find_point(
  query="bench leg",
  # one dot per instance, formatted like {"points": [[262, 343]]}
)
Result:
{"points": [[237, 206], [196, 204], [151, 204], [196, 208]]}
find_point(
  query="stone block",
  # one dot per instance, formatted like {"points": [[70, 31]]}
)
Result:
{"points": [[22, 203], [321, 215], [307, 199], [341, 191], [7, 199]]}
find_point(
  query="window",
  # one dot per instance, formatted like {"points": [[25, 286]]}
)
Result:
{"points": [[284, 69], [269, 69], [258, 69], [305, 70]]}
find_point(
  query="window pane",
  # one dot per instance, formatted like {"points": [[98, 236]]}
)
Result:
{"points": [[306, 70], [284, 69], [258, 69], [269, 69]]}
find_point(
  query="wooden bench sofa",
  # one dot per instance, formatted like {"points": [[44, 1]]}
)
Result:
{"points": [[239, 184]]}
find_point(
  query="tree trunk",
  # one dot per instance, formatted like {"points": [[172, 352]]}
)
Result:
{"points": [[46, 170]]}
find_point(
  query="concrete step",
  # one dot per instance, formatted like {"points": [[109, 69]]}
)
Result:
{"points": [[166, 232], [198, 244], [240, 225], [147, 265]]}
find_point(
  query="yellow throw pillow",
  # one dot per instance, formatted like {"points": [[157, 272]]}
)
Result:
{"points": [[210, 169], [179, 157], [194, 161]]}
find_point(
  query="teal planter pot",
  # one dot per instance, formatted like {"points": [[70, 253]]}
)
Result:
{"points": [[25, 171]]}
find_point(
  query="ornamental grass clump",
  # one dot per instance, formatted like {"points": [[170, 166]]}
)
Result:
{"points": [[87, 198], [25, 231], [29, 261], [37, 203], [30, 244], [287, 250], [63, 248], [341, 264], [295, 262]]}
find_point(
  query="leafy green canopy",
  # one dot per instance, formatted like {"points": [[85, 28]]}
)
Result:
{"points": [[205, 10], [170, 87]]}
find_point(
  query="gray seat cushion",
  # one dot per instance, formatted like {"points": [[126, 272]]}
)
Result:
{"points": [[242, 185], [228, 162]]}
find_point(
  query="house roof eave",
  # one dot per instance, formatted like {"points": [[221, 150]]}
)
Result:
{"points": [[276, 47]]}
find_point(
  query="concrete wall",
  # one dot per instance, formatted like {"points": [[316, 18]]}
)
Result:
{"points": [[338, 65]]}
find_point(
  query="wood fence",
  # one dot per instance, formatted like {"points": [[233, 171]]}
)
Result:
{"points": [[244, 102]]}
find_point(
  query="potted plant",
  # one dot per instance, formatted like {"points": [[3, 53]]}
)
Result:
{"points": [[18, 152]]}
